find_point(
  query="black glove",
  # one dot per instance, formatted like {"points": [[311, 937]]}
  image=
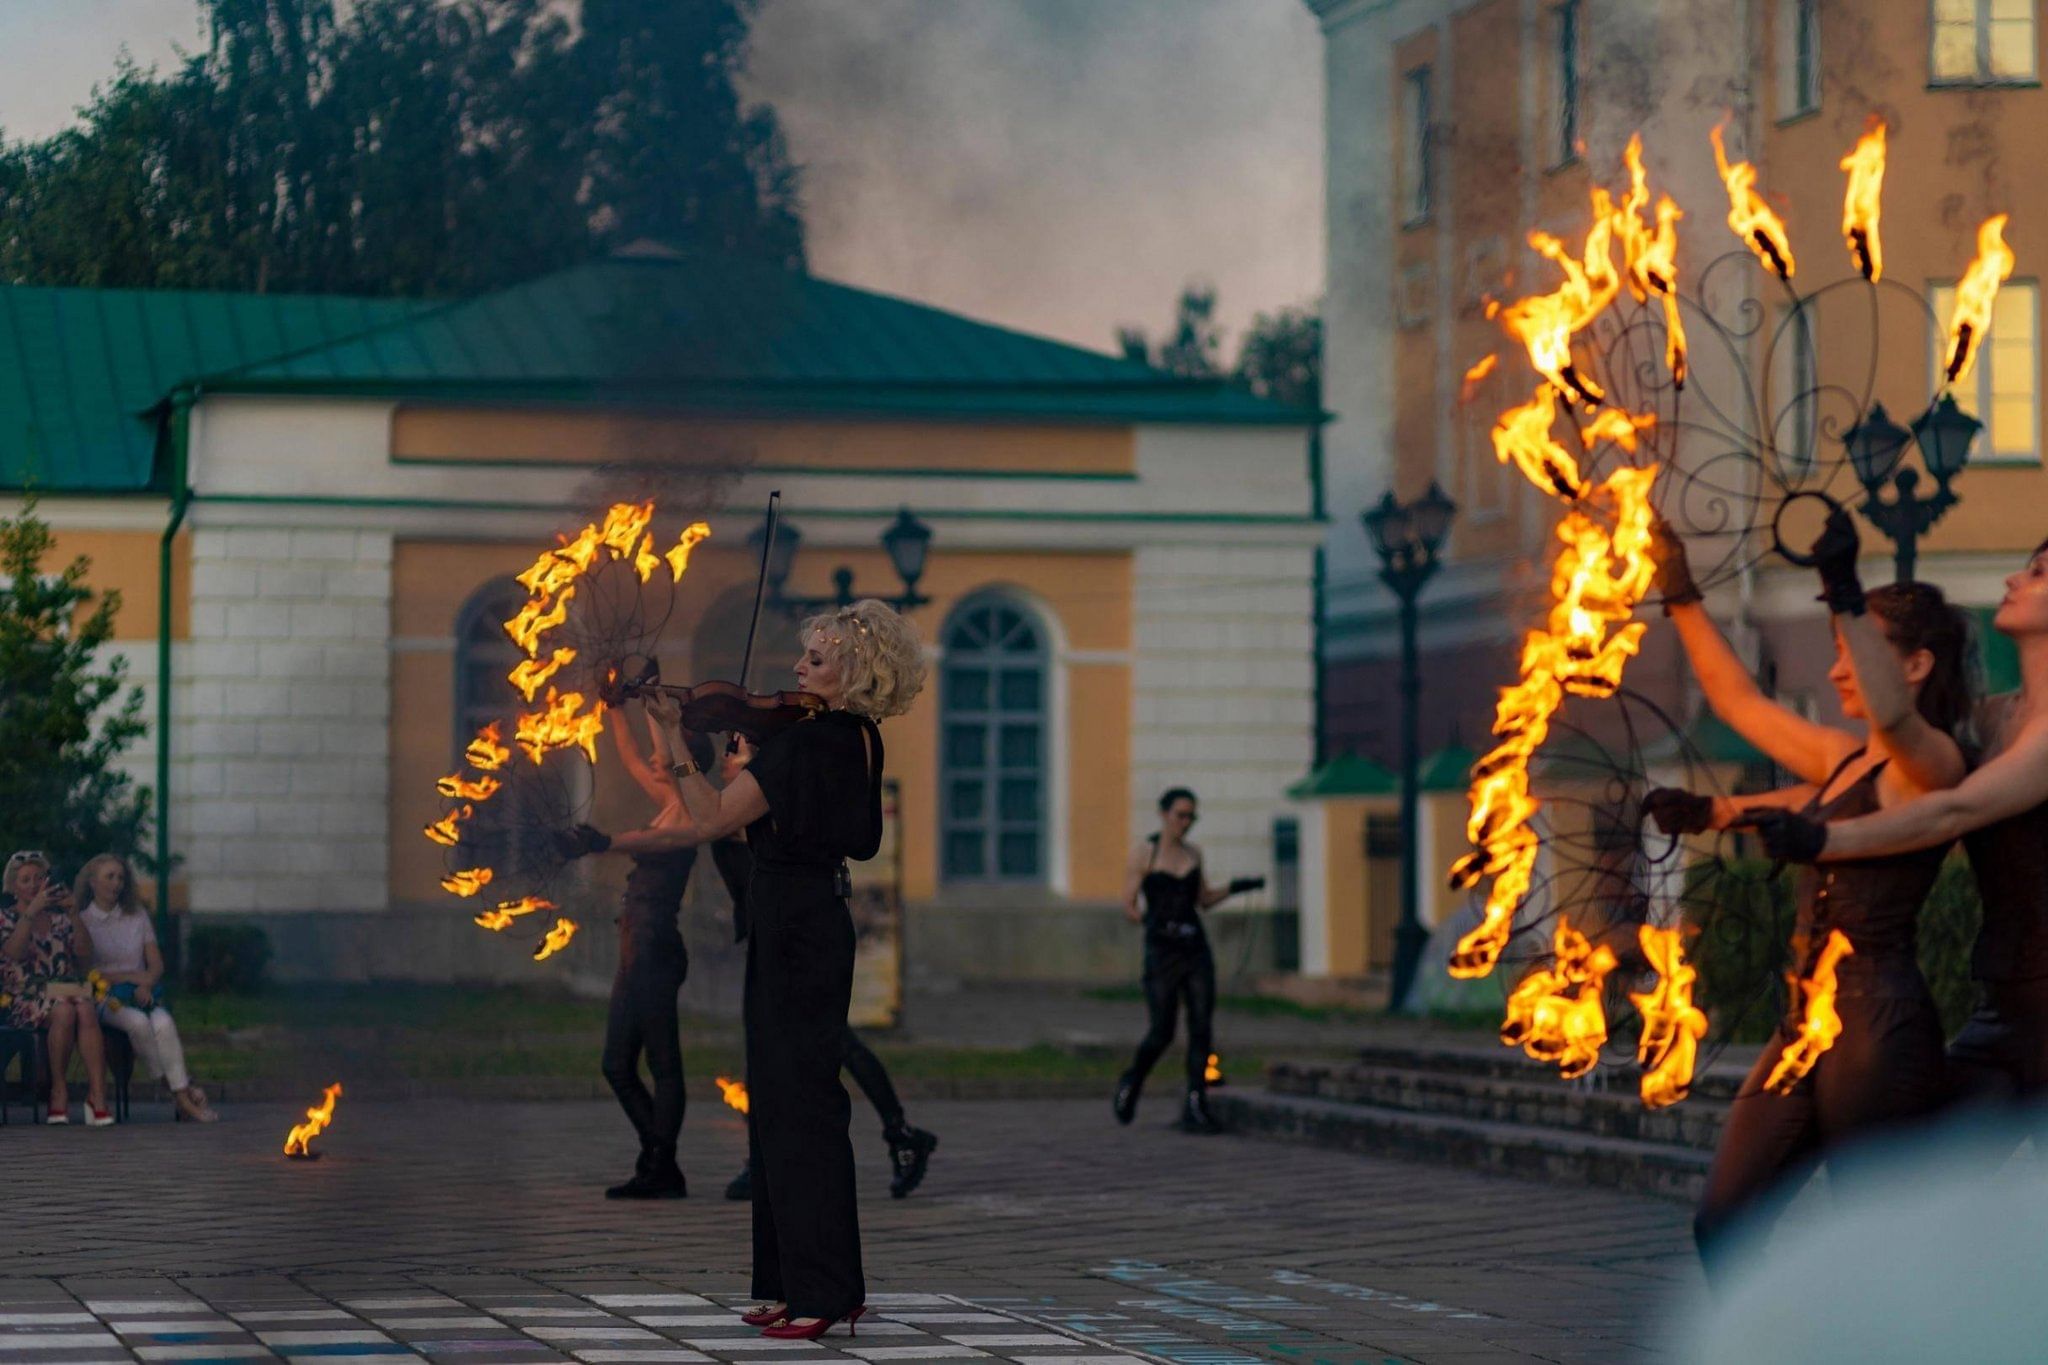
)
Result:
{"points": [[1240, 885], [1674, 572], [571, 844], [1788, 836], [1678, 811], [1834, 555]]}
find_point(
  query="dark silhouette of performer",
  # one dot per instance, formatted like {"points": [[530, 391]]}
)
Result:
{"points": [[1165, 873]]}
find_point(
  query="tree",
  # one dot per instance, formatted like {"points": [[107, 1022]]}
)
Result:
{"points": [[1281, 357], [416, 147], [61, 725], [1192, 347]]}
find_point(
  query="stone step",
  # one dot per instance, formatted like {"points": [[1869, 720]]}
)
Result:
{"points": [[1597, 1105], [1556, 1155], [1718, 1079]]}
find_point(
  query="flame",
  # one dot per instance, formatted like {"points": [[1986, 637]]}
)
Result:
{"points": [[556, 940], [560, 724], [1476, 376], [507, 911], [468, 882], [1554, 1013], [1522, 436], [1975, 293], [443, 830], [1751, 218], [484, 753], [1861, 204], [456, 787], [624, 524], [537, 618], [528, 675], [1546, 323], [1604, 571], [733, 1092], [1622, 428], [1672, 1025], [317, 1119], [1650, 255], [1821, 1026], [679, 555], [1212, 1070]]}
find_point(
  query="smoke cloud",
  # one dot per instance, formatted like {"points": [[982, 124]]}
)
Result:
{"points": [[1059, 166]]}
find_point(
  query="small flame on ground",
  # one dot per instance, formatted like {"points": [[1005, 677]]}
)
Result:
{"points": [[1821, 1025], [467, 882], [1212, 1070], [1862, 202], [733, 1092], [556, 940], [1672, 1025], [1761, 230], [507, 911], [317, 1119], [1975, 293], [1555, 1013]]}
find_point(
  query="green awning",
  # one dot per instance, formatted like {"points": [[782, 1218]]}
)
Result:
{"points": [[1346, 775]]}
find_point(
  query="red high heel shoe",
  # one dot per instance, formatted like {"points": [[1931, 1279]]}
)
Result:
{"points": [[812, 1330], [765, 1317]]}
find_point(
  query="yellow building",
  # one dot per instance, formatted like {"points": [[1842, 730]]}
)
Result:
{"points": [[1455, 127], [328, 497]]}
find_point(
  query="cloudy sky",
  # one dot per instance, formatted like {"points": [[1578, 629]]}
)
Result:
{"points": [[1062, 166]]}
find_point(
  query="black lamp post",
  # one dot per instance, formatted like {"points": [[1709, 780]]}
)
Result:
{"points": [[1877, 445], [908, 542], [1407, 538]]}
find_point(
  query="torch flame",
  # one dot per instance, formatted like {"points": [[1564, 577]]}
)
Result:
{"points": [[1821, 1024], [1751, 218], [679, 555], [1554, 1013], [1622, 428], [1975, 293], [317, 1119], [1522, 437], [443, 830], [484, 753], [733, 1092], [507, 911], [1650, 256], [467, 882], [556, 940], [528, 674], [1861, 204], [1604, 571], [537, 618], [1672, 1025], [1546, 323], [459, 788], [1476, 376], [561, 724]]}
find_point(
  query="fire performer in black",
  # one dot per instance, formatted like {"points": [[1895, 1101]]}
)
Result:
{"points": [[2000, 811], [1900, 666], [652, 966], [910, 1148], [1165, 873], [809, 798]]}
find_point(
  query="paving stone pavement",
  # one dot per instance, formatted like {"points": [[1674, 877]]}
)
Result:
{"points": [[475, 1232]]}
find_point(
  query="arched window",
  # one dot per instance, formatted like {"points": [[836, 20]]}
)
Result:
{"points": [[484, 654], [532, 801], [992, 771]]}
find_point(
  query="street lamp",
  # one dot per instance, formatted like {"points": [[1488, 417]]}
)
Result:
{"points": [[1407, 538], [1876, 446], [908, 542]]}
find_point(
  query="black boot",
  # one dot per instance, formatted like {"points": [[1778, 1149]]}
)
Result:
{"points": [[624, 1190], [661, 1179], [742, 1185], [1195, 1116], [1125, 1102], [910, 1151]]}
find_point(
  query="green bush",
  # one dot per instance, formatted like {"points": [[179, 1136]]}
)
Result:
{"points": [[1744, 921], [226, 958]]}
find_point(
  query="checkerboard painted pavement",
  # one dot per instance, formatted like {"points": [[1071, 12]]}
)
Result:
{"points": [[641, 1327]]}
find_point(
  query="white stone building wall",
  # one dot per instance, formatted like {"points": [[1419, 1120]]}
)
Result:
{"points": [[281, 733]]}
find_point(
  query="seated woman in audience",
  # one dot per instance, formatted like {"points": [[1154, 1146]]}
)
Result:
{"points": [[125, 952], [40, 940]]}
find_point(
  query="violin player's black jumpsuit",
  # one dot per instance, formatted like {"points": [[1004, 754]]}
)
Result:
{"points": [[1885, 1068]]}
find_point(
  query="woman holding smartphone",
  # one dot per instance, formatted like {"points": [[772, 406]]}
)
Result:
{"points": [[44, 949]]}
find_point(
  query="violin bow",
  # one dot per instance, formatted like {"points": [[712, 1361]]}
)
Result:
{"points": [[760, 586]]}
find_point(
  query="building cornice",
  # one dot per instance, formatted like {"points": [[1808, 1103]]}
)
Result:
{"points": [[1336, 14]]}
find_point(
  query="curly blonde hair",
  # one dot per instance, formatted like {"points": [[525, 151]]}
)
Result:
{"points": [[128, 902], [880, 657]]}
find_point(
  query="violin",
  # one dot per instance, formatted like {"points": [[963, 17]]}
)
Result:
{"points": [[714, 707]]}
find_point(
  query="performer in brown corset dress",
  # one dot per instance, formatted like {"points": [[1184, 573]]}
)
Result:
{"points": [[1900, 666]]}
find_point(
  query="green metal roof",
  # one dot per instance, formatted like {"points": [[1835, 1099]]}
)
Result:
{"points": [[1346, 775], [82, 369], [1448, 769], [705, 332]]}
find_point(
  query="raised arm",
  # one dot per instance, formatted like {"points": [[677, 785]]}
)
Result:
{"points": [[658, 786], [1805, 748], [2015, 781]]}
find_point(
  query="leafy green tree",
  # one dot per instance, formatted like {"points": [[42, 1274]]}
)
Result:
{"points": [[63, 719], [1192, 347], [417, 147], [1281, 357]]}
